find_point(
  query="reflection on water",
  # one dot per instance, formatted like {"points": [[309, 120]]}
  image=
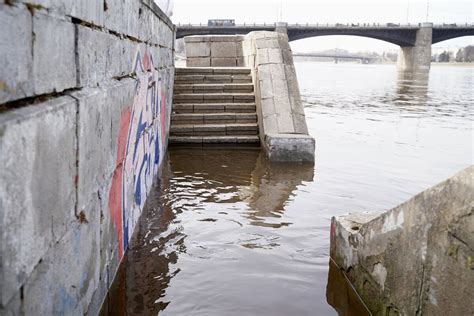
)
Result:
{"points": [[227, 233], [342, 296]]}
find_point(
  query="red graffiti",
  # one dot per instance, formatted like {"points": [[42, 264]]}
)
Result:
{"points": [[115, 193]]}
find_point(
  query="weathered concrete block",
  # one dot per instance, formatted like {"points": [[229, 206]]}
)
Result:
{"points": [[409, 259], [223, 62], [15, 58], [275, 56], [224, 49], [65, 286], [197, 38], [198, 62], [198, 49], [290, 147], [285, 121], [37, 191], [262, 56], [93, 51], [54, 65]]}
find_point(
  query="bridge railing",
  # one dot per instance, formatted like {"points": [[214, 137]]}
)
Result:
{"points": [[331, 25]]}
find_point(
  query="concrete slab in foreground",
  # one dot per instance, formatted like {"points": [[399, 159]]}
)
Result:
{"points": [[416, 259]]}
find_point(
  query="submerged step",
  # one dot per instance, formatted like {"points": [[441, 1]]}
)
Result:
{"points": [[242, 139], [214, 129]]}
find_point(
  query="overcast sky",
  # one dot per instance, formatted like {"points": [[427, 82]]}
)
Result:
{"points": [[334, 11]]}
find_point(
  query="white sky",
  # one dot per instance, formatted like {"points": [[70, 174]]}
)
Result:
{"points": [[335, 11]]}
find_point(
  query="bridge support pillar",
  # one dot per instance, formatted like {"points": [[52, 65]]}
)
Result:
{"points": [[418, 57], [281, 27]]}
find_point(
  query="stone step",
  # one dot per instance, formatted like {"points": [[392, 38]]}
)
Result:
{"points": [[214, 129], [214, 98], [240, 139], [214, 107], [213, 88], [193, 79], [213, 71], [213, 118]]}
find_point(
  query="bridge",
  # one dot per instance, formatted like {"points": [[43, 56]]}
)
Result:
{"points": [[364, 59], [414, 39]]}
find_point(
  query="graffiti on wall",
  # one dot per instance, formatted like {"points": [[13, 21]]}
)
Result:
{"points": [[141, 144]]}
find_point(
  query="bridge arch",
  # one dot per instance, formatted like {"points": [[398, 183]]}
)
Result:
{"points": [[401, 38]]}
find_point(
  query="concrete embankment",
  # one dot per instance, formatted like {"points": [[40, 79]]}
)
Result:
{"points": [[416, 259], [85, 103], [281, 119]]}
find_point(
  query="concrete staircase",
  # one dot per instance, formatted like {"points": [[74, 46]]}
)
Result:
{"points": [[213, 106]]}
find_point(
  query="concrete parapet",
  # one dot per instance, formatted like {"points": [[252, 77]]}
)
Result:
{"points": [[214, 51], [85, 105], [408, 260], [282, 122]]}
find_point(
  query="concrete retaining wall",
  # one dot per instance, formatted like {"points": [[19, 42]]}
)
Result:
{"points": [[281, 118], [85, 101], [416, 259]]}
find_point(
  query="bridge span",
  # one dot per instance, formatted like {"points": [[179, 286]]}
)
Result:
{"points": [[415, 40]]}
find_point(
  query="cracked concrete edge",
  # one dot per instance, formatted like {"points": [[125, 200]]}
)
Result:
{"points": [[406, 260]]}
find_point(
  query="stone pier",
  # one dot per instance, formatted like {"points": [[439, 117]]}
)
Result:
{"points": [[281, 120], [417, 58]]}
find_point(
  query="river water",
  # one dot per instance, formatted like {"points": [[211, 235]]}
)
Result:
{"points": [[227, 233]]}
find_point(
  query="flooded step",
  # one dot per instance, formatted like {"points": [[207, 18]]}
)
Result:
{"points": [[214, 129], [241, 139], [213, 118], [214, 98], [214, 70], [214, 107], [213, 88], [194, 79]]}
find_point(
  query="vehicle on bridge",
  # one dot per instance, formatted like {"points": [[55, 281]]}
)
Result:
{"points": [[221, 22]]}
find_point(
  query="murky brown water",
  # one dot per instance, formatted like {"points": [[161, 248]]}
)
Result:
{"points": [[227, 233]]}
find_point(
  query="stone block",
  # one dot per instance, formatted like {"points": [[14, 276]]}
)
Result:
{"points": [[267, 43], [299, 122], [15, 53], [64, 281], [223, 62], [198, 62], [275, 56], [289, 147], [113, 16], [92, 56], [226, 38], [54, 64], [223, 50], [198, 49], [268, 107], [38, 187], [100, 111], [280, 88], [285, 122], [262, 56], [278, 71], [270, 124], [266, 89], [197, 38]]}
